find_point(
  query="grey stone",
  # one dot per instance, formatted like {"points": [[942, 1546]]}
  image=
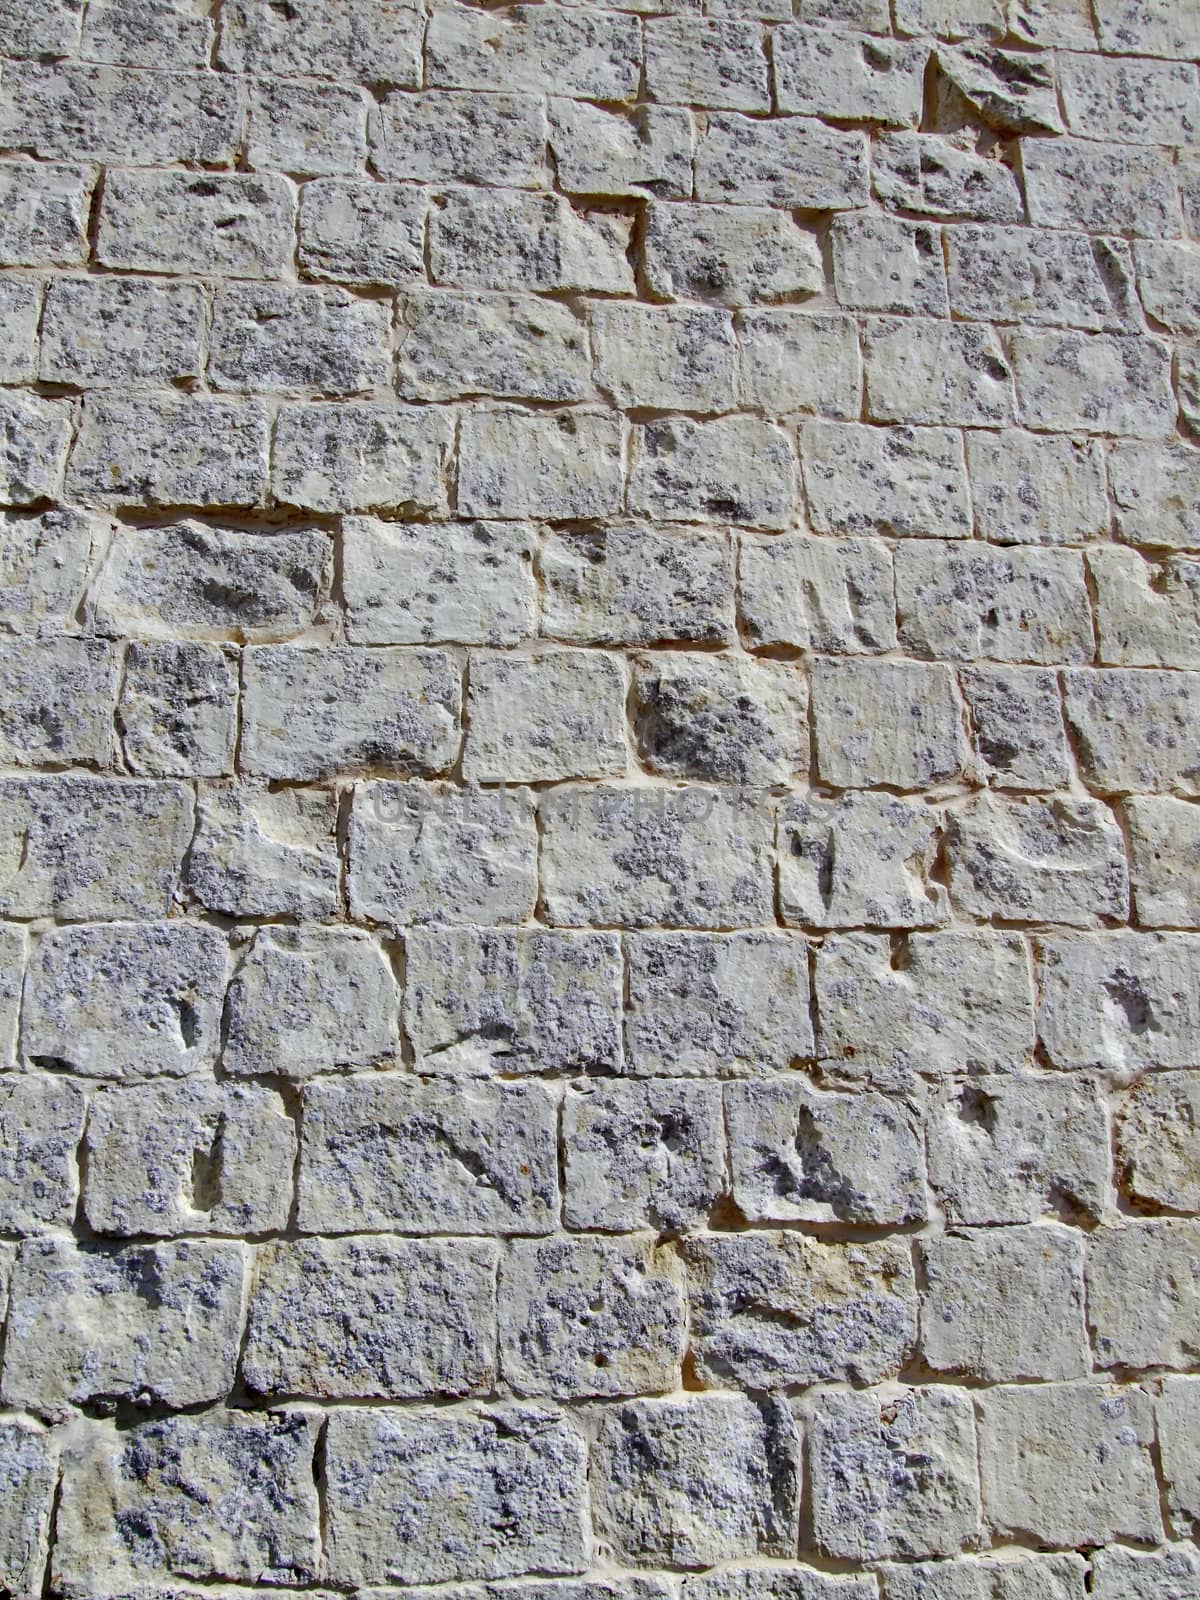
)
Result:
{"points": [[1011, 90], [1065, 279], [230, 1494], [44, 213], [481, 1002], [735, 469], [310, 999], [696, 1482], [1135, 730], [582, 1317], [177, 715], [1094, 383], [827, 73], [237, 223], [1126, 1001], [44, 561], [424, 583], [799, 361], [673, 358], [1157, 1162], [193, 581], [1147, 27], [531, 719], [1122, 1574], [421, 1496], [510, 346], [721, 718], [1143, 1293], [893, 1473], [125, 1001], [896, 722], [1130, 101], [1156, 490], [1164, 860], [53, 29], [440, 853], [933, 1003], [808, 593], [1017, 725], [584, 52], [776, 1583], [1069, 1464], [440, 1156], [460, 137], [1147, 612], [928, 173], [354, 39], [796, 162], [20, 315], [646, 150], [495, 238], [371, 1319], [926, 371], [1110, 188], [1177, 1417], [29, 1474], [262, 853], [295, 337], [56, 701], [169, 450], [91, 847], [35, 435], [1028, 1577], [859, 860], [709, 62], [1033, 488], [562, 465], [706, 1005], [13, 953], [146, 33], [742, 257], [773, 1310], [965, 20], [306, 129], [41, 1124], [641, 1154], [901, 481], [84, 1326], [191, 1157], [799, 1154], [634, 855], [881, 263], [637, 585], [100, 331], [368, 233]]}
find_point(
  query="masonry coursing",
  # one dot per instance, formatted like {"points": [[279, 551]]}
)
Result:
{"points": [[599, 777]]}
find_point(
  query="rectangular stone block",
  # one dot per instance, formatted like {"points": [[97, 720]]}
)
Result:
{"points": [[193, 581], [1017, 724], [637, 585], [428, 1157], [41, 1124], [448, 136], [721, 718], [926, 371], [419, 1496], [310, 1000], [91, 847], [900, 481], [1039, 1450], [1177, 1413], [707, 62], [1164, 860], [314, 713], [504, 238], [897, 723], [929, 173], [511, 346], [795, 162], [698, 1481], [1135, 730], [1122, 1574], [769, 1310], [73, 112], [735, 258], [937, 1003], [585, 52], [35, 435], [734, 469], [428, 583], [364, 233], [82, 1328], [114, 1000], [1018, 1149], [239, 224], [601, 150], [584, 1317], [1094, 383], [229, 1494], [115, 331], [641, 1154], [881, 263], [365, 41], [53, 29], [177, 716], [1143, 1297], [44, 214], [859, 860], [867, 1501], [561, 465], [20, 317], [797, 361], [642, 856], [1155, 1146], [1130, 101], [825, 72], [146, 33], [260, 852], [1027, 1577], [169, 450], [1147, 612], [44, 562], [1065, 279], [1124, 1001], [677, 358], [343, 1319], [57, 697], [1110, 188], [267, 337], [306, 129], [352, 457], [29, 1471], [808, 593], [194, 1157], [1032, 488], [481, 1002], [442, 853], [1156, 490], [802, 1154]]}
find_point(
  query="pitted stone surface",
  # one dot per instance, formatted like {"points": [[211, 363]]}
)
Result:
{"points": [[599, 799]]}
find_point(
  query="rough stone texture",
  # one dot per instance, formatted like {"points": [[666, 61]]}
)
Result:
{"points": [[600, 812]]}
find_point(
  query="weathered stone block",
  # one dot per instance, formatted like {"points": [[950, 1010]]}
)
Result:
{"points": [[510, 346], [56, 701], [799, 361], [562, 465], [41, 1124], [20, 316], [735, 469], [598, 150], [169, 450], [923, 371], [802, 1154], [480, 1002], [587, 52], [742, 257], [806, 593], [308, 130], [369, 233], [672, 358], [499, 238], [1028, 1578], [177, 716], [898, 723], [707, 62], [637, 585], [1122, 1574], [430, 1157], [960, 602], [287, 337], [1126, 1001], [797, 163], [105, 331], [1094, 383], [194, 1157], [53, 29], [1158, 1165], [861, 860], [1012, 91], [1178, 1411], [377, 1318], [784, 1583], [421, 1496], [583, 1317], [825, 72], [356, 39], [1032, 488], [1143, 1293], [236, 223], [1147, 613], [531, 719], [1156, 490], [1131, 101], [35, 435], [83, 1330], [29, 1473], [44, 214], [461, 137], [928, 173], [773, 1309], [44, 561], [1110, 188], [641, 1154], [1135, 730], [146, 33], [698, 1481], [883, 264], [1020, 741], [721, 718], [262, 853], [898, 481]]}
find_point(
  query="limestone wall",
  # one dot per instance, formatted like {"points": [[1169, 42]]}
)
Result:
{"points": [[599, 825]]}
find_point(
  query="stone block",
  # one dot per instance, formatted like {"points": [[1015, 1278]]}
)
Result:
{"points": [[169, 450], [1019, 738], [1143, 1293], [646, 150], [362, 40], [799, 361], [1158, 1165], [585, 52], [1135, 730], [359, 232], [721, 718], [44, 213], [306, 129], [900, 481], [98, 332], [178, 712], [1031, 488], [1147, 612], [501, 238], [533, 719], [454, 136], [1127, 1001], [796, 162], [260, 852], [731, 257], [734, 469], [509, 346], [859, 860], [296, 337], [57, 697], [241, 224], [35, 435], [670, 358], [636, 585], [41, 1124], [561, 465]]}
